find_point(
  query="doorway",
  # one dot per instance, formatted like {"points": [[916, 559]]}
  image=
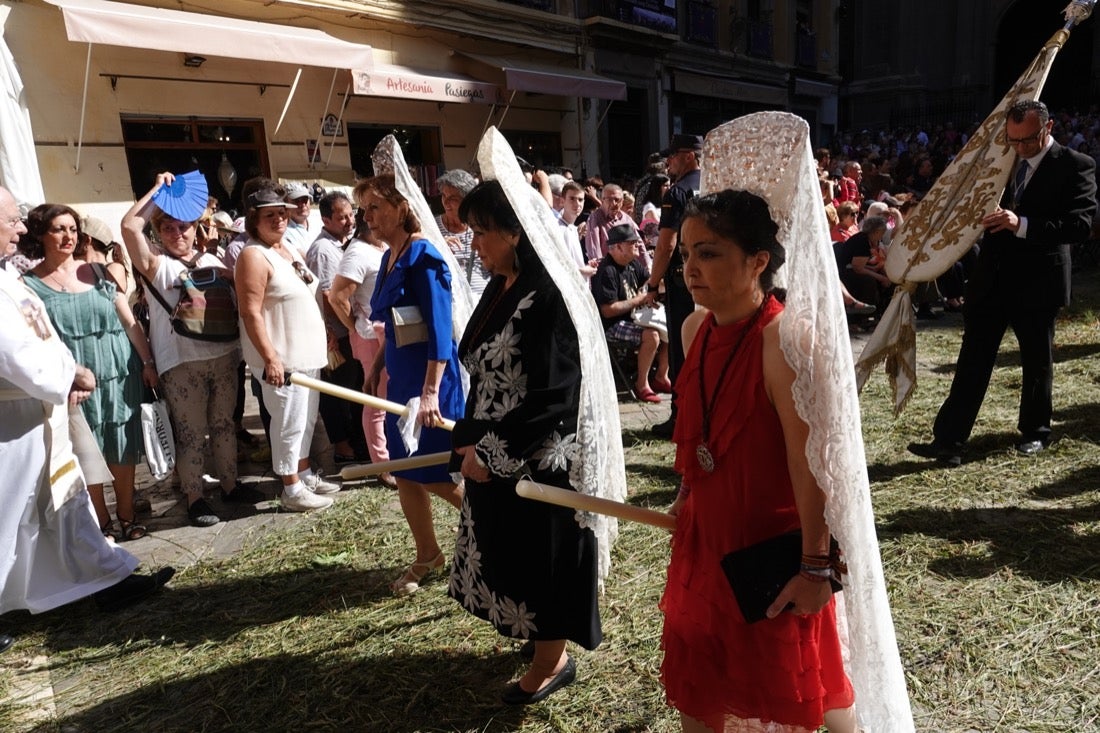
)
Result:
{"points": [[226, 151]]}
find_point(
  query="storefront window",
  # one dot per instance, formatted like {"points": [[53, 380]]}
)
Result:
{"points": [[421, 146], [160, 144], [540, 149]]}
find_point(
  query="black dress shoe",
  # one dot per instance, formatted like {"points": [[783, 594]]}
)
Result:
{"points": [[1029, 447], [949, 454], [516, 695], [6, 641], [132, 589], [664, 429]]}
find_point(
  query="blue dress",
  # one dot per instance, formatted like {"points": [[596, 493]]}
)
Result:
{"points": [[421, 278]]}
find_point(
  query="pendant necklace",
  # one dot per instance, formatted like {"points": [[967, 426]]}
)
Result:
{"points": [[58, 283], [702, 451]]}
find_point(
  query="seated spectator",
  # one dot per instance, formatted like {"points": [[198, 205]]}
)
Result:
{"points": [[619, 287], [849, 184], [846, 225], [860, 261]]}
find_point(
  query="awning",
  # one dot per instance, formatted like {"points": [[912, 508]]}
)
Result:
{"points": [[727, 88], [526, 77], [122, 24], [160, 29], [402, 82]]}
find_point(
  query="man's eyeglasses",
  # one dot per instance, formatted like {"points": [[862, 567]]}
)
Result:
{"points": [[1029, 139], [306, 275], [13, 221]]}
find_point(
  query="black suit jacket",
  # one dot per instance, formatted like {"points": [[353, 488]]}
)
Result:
{"points": [[1058, 202]]}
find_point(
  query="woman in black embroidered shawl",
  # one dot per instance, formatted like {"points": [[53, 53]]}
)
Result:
{"points": [[527, 567]]}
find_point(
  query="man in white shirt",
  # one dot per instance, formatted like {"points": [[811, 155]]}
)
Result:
{"points": [[297, 229], [343, 420]]}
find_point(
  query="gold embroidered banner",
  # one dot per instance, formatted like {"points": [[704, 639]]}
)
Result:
{"points": [[947, 223]]}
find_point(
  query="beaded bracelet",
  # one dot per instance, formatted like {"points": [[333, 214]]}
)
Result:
{"points": [[816, 561], [814, 577], [819, 572]]}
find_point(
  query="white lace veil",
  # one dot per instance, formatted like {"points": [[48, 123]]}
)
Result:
{"points": [[597, 469], [388, 158], [768, 154]]}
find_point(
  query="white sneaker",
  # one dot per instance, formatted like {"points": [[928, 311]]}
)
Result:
{"points": [[318, 485], [304, 501]]}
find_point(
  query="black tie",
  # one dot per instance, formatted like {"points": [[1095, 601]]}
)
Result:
{"points": [[1018, 184]]}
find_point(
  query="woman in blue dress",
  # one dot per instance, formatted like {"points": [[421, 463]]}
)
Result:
{"points": [[421, 360]]}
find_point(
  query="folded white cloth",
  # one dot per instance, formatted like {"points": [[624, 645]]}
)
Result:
{"points": [[409, 427]]}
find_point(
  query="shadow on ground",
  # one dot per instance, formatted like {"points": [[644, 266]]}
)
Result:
{"points": [[437, 691], [198, 614], [1040, 543]]}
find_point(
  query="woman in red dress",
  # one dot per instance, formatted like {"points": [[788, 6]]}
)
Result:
{"points": [[741, 449]]}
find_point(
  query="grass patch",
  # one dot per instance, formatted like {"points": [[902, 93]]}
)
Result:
{"points": [[993, 572]]}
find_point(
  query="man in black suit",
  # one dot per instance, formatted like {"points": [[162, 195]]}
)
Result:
{"points": [[1021, 280]]}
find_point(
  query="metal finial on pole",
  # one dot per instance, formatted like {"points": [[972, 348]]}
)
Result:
{"points": [[1077, 12]]}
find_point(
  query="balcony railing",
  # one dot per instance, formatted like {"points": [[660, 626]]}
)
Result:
{"points": [[644, 13], [759, 42]]}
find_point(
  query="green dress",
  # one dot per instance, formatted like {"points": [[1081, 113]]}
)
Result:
{"points": [[89, 325]]}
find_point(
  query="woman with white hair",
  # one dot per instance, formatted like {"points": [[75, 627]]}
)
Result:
{"points": [[453, 187]]}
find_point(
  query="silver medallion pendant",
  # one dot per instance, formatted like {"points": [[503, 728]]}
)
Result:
{"points": [[706, 460]]}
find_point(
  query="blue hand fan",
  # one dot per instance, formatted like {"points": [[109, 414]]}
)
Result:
{"points": [[186, 198]]}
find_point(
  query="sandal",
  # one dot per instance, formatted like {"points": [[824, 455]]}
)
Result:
{"points": [[131, 530], [646, 395], [409, 582], [109, 531]]}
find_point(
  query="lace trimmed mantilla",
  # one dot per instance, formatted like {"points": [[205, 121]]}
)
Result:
{"points": [[598, 469], [769, 154]]}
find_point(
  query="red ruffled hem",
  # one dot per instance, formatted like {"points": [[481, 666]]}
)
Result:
{"points": [[787, 670]]}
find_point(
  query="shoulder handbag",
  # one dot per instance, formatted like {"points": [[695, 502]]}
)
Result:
{"points": [[757, 573], [408, 325], [207, 306]]}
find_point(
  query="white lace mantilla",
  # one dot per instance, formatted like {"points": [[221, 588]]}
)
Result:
{"points": [[598, 469], [388, 158], [768, 154]]}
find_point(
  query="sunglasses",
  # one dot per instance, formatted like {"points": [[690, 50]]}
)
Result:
{"points": [[306, 275]]}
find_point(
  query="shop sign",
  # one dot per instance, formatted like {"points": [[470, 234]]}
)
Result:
{"points": [[331, 126], [408, 84]]}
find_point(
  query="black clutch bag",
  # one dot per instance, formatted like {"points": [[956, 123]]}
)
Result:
{"points": [[757, 573]]}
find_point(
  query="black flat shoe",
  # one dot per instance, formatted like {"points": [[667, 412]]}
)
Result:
{"points": [[516, 695], [132, 589], [6, 641], [201, 514], [949, 454]]}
